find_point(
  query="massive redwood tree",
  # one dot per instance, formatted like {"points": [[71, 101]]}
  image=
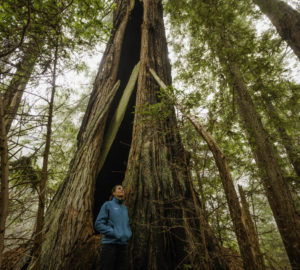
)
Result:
{"points": [[146, 154]]}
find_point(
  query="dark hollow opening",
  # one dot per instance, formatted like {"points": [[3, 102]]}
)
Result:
{"points": [[113, 170]]}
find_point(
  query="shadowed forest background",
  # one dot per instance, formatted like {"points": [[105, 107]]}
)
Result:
{"points": [[210, 159]]}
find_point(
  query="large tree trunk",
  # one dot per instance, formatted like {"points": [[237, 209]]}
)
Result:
{"points": [[267, 159], [247, 250], [160, 198], [285, 19], [168, 227]]}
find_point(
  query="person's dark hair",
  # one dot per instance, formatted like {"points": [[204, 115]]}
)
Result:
{"points": [[113, 190]]}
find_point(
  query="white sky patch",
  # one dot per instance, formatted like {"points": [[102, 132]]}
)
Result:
{"points": [[293, 63]]}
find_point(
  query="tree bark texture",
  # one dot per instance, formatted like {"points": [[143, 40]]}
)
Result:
{"points": [[166, 228], [267, 159], [285, 19], [4, 199], [246, 248], [15, 89], [247, 220], [160, 198]]}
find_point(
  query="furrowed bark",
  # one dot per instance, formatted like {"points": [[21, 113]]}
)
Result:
{"points": [[4, 199], [167, 233], [247, 249], [160, 199], [285, 19], [202, 197], [68, 227]]}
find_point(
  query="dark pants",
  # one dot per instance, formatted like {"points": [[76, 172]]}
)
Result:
{"points": [[114, 257]]}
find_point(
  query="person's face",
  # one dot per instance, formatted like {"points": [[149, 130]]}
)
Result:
{"points": [[119, 192]]}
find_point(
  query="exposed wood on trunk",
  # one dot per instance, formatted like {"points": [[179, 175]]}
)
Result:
{"points": [[38, 236], [285, 19], [243, 236], [118, 116], [253, 236], [107, 72], [68, 227], [160, 198], [4, 177], [69, 211]]}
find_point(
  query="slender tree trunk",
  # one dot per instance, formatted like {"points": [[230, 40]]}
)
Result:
{"points": [[14, 91], [202, 196], [246, 248], [265, 154], [253, 208], [149, 154], [267, 159], [10, 102], [285, 19], [247, 220], [290, 147], [38, 236], [205, 262], [4, 178]]}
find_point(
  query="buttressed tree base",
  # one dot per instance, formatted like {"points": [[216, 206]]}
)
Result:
{"points": [[145, 154]]}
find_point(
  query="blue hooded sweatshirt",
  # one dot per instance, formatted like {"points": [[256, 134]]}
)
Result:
{"points": [[113, 223]]}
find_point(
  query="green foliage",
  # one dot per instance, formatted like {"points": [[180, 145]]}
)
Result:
{"points": [[78, 22], [24, 171], [14, 16], [158, 111], [202, 33]]}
